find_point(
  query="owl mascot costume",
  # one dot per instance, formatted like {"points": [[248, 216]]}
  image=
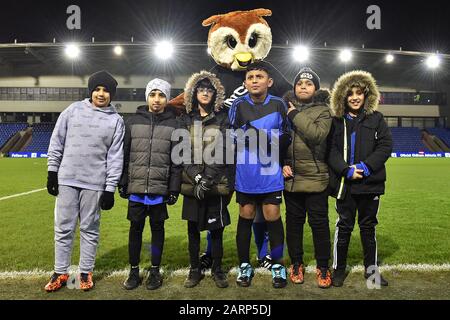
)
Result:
{"points": [[235, 40]]}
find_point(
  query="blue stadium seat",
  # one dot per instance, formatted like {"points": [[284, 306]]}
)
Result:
{"points": [[441, 133], [407, 140], [42, 132], [7, 130]]}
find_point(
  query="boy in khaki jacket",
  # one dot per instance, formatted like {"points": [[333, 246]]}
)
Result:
{"points": [[306, 174]]}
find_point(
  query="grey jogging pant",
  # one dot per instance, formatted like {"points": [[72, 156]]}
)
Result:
{"points": [[73, 204]]}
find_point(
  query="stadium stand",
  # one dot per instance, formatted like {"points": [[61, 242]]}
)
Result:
{"points": [[408, 140], [7, 130], [40, 140], [441, 133]]}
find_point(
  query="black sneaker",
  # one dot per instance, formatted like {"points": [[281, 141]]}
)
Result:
{"points": [[220, 278], [205, 261], [194, 277], [376, 279], [133, 281], [154, 280], [338, 277]]}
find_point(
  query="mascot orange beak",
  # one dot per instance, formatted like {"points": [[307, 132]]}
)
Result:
{"points": [[243, 59]]}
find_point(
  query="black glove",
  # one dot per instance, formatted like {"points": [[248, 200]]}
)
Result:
{"points": [[107, 200], [52, 183], [123, 191], [202, 185], [172, 198]]}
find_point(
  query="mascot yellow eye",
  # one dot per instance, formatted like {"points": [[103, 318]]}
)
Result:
{"points": [[231, 42], [253, 40]]}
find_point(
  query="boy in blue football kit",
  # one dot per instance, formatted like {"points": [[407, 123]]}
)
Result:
{"points": [[263, 116]]}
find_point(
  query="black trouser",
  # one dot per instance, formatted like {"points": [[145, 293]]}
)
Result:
{"points": [[315, 204], [194, 246], [135, 241], [367, 207]]}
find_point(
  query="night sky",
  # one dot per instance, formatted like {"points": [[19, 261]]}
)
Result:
{"points": [[424, 27]]}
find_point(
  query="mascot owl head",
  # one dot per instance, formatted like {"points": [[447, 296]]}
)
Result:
{"points": [[235, 40], [239, 38]]}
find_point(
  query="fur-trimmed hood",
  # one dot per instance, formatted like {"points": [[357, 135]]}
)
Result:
{"points": [[345, 83], [321, 96], [191, 84]]}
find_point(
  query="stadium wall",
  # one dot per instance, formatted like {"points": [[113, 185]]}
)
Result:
{"points": [[130, 107], [445, 110], [81, 82], [410, 110], [58, 106], [177, 82]]}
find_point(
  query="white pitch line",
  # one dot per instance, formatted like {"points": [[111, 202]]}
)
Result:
{"points": [[37, 273], [21, 194]]}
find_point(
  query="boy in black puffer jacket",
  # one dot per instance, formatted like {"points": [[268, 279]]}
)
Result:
{"points": [[360, 144], [150, 179]]}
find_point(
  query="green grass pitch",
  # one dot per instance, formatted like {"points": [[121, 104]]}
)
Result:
{"points": [[414, 221]]}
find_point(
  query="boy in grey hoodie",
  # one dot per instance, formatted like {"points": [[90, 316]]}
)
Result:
{"points": [[85, 160]]}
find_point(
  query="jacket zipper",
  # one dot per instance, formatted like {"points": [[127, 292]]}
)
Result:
{"points": [[149, 152], [293, 161], [345, 154], [210, 116], [293, 158]]}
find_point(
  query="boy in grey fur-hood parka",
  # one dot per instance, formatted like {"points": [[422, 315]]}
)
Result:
{"points": [[207, 187]]}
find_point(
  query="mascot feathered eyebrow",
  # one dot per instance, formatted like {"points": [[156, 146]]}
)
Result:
{"points": [[235, 40]]}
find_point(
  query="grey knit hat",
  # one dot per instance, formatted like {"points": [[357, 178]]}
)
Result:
{"points": [[158, 84]]}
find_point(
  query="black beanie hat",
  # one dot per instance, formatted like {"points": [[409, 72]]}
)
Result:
{"points": [[308, 73], [102, 78]]}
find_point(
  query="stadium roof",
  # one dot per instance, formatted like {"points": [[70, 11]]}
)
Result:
{"points": [[29, 29], [36, 59]]}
